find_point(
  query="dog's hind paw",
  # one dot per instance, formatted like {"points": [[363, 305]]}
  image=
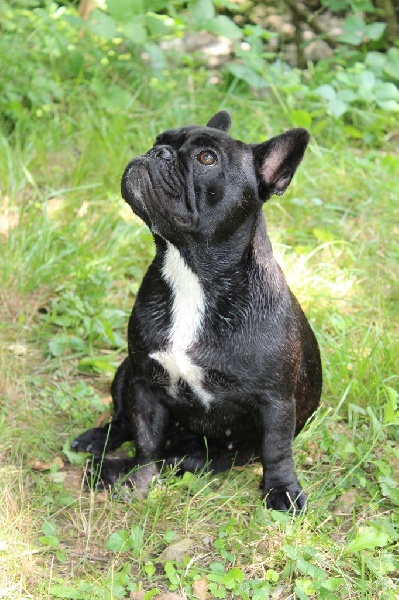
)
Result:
{"points": [[104, 473], [126, 479]]}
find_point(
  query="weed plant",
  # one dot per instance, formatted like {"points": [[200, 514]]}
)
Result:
{"points": [[72, 257]]}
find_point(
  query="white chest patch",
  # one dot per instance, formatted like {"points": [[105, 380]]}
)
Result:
{"points": [[188, 309]]}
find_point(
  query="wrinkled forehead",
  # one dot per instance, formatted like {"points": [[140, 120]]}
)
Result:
{"points": [[195, 136]]}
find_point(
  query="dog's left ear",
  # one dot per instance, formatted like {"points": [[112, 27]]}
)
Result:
{"points": [[221, 120], [277, 160]]}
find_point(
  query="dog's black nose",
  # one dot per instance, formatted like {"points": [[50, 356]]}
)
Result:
{"points": [[163, 152]]}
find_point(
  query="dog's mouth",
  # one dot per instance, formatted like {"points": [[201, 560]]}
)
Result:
{"points": [[133, 190], [156, 196]]}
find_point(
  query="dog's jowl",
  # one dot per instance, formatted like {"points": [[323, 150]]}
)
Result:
{"points": [[223, 365]]}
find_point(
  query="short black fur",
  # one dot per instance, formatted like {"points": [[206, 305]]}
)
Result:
{"points": [[254, 372]]}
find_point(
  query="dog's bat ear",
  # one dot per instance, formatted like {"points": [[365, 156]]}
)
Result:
{"points": [[277, 160], [221, 120]]}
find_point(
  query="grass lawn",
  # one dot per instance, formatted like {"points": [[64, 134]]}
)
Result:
{"points": [[72, 257]]}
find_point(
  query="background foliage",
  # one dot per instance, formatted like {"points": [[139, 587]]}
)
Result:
{"points": [[136, 43]]}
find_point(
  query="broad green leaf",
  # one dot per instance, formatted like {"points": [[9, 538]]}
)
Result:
{"points": [[247, 75], [326, 91], [323, 235], [354, 39], [75, 458], [217, 567], [353, 132], [389, 488], [157, 24], [135, 31], [113, 99], [155, 5], [386, 91], [151, 594], [63, 591], [222, 25], [118, 541], [58, 345], [354, 29], [150, 569], [171, 573], [366, 80], [301, 118], [333, 583], [388, 105], [98, 363], [123, 10], [61, 343], [272, 575], [392, 63], [156, 57], [233, 577], [354, 23], [337, 107], [368, 538], [311, 570], [391, 405], [375, 31], [376, 61], [49, 540], [49, 529], [202, 10], [217, 591], [347, 95], [101, 24]]}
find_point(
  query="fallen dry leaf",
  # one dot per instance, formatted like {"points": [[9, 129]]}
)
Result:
{"points": [[18, 349], [103, 419], [137, 595], [169, 596], [345, 503], [177, 551], [106, 400], [102, 497], [200, 589], [41, 465], [166, 596]]}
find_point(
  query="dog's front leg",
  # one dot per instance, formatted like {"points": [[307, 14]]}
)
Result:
{"points": [[280, 486], [149, 420]]}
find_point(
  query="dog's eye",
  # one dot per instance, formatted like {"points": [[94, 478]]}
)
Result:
{"points": [[208, 158]]}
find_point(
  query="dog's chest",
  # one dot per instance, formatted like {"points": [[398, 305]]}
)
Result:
{"points": [[188, 308]]}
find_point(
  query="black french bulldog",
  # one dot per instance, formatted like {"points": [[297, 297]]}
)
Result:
{"points": [[223, 365]]}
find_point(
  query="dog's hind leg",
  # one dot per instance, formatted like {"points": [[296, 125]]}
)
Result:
{"points": [[109, 437], [192, 452]]}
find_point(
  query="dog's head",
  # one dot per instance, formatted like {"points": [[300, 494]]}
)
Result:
{"points": [[199, 181]]}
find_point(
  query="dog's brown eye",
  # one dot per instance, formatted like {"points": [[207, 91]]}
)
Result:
{"points": [[207, 158]]}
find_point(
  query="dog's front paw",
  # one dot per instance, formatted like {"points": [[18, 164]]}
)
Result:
{"points": [[100, 439], [288, 498], [93, 440]]}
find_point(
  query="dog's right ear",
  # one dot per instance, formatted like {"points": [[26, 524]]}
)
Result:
{"points": [[221, 120], [277, 160]]}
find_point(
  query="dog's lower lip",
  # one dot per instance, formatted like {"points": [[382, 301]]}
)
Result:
{"points": [[181, 221]]}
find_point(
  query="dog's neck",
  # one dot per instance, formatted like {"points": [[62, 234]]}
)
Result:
{"points": [[228, 259]]}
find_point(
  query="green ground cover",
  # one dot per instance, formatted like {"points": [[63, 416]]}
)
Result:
{"points": [[72, 256]]}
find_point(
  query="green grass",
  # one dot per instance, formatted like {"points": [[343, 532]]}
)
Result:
{"points": [[72, 257]]}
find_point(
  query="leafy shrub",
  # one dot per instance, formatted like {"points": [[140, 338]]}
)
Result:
{"points": [[107, 55]]}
